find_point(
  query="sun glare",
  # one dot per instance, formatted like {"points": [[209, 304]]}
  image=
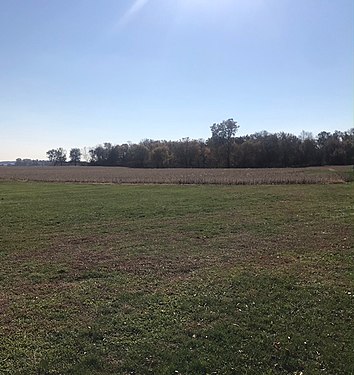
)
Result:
{"points": [[204, 4], [218, 6]]}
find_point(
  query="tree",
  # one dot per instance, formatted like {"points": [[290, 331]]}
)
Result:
{"points": [[306, 135], [309, 152], [51, 155], [57, 156], [75, 155], [347, 140], [138, 156], [160, 156], [222, 137], [85, 154], [61, 155], [289, 150], [98, 155]]}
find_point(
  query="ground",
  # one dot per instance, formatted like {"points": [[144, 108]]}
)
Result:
{"points": [[102, 279]]}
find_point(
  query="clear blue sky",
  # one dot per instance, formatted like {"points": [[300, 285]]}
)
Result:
{"points": [[77, 73]]}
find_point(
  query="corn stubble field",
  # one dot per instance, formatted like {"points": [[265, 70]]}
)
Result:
{"points": [[121, 175], [240, 272]]}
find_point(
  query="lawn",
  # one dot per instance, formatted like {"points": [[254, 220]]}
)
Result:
{"points": [[166, 279]]}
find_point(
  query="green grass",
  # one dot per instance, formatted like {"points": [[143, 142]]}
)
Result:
{"points": [[106, 279]]}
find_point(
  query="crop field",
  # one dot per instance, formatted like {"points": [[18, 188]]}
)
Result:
{"points": [[174, 279], [120, 175]]}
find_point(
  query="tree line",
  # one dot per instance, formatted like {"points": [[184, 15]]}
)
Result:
{"points": [[222, 150]]}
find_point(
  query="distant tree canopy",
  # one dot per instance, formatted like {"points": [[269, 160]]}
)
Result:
{"points": [[31, 162], [75, 155], [57, 156], [222, 140], [223, 150]]}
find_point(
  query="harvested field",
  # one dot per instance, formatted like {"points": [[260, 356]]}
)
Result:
{"points": [[119, 175]]}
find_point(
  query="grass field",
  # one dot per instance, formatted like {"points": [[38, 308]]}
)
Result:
{"points": [[132, 279]]}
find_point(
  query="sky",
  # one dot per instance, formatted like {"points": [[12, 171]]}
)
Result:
{"points": [[77, 73]]}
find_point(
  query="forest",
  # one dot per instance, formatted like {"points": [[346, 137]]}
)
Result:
{"points": [[222, 150]]}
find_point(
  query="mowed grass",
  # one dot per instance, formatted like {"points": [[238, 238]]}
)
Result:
{"points": [[119, 279]]}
